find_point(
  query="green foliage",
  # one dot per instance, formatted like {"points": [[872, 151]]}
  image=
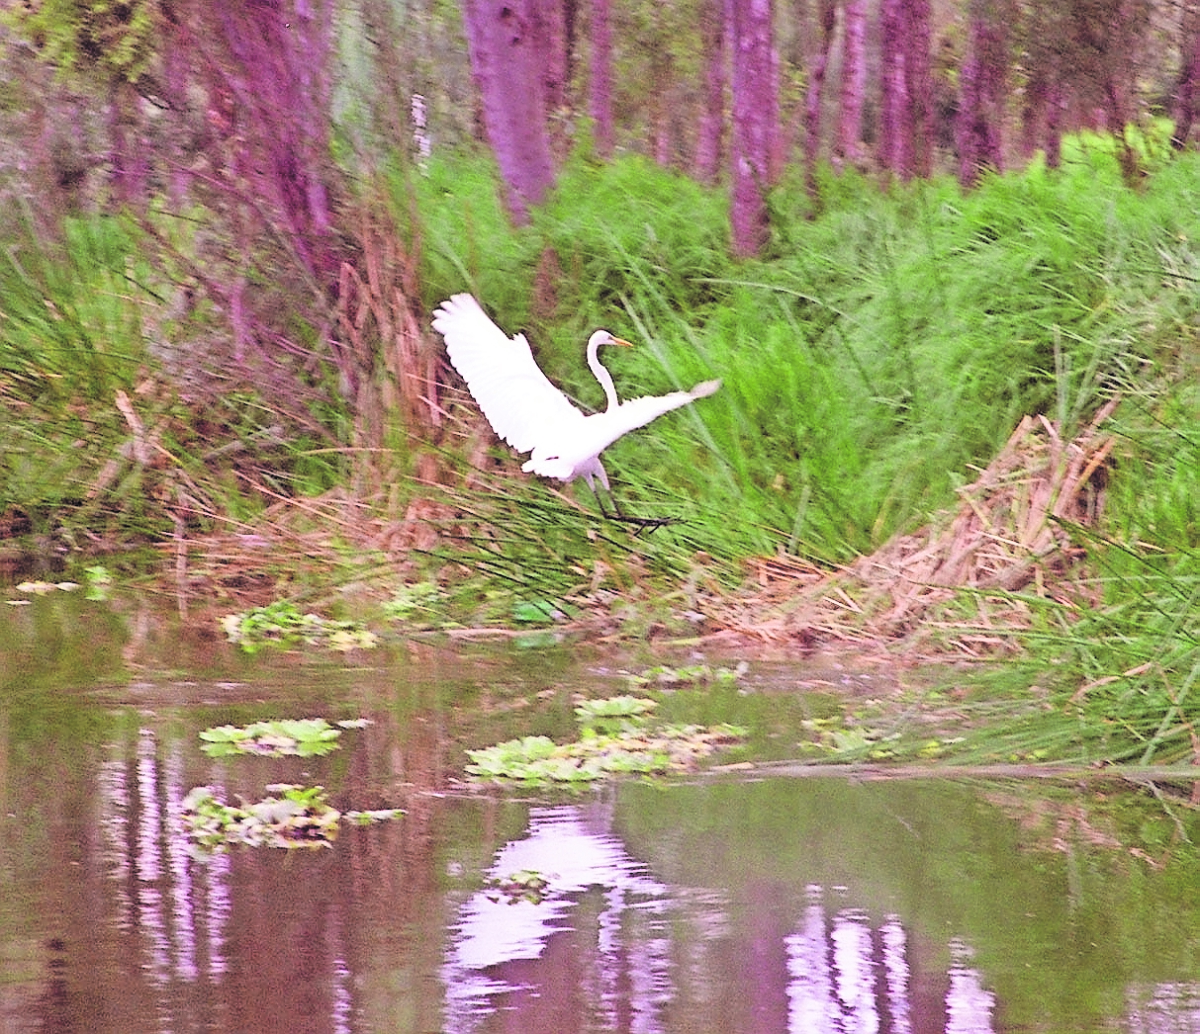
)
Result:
{"points": [[295, 817], [886, 347], [305, 737], [282, 623], [71, 354], [115, 38], [99, 582], [72, 321], [537, 612], [617, 737], [882, 352], [413, 603]]}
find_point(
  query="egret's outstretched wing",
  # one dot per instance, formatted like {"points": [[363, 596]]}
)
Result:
{"points": [[522, 406], [575, 451], [639, 412]]}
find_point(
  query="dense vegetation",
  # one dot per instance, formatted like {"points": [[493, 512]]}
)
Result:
{"points": [[882, 350]]}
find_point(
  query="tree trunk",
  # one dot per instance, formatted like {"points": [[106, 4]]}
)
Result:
{"points": [[982, 89], [893, 99], [129, 167], [600, 92], [270, 102], [662, 142], [854, 81], [551, 28], [1187, 92], [507, 62], [712, 118], [827, 16], [918, 74], [755, 122], [1054, 125]]}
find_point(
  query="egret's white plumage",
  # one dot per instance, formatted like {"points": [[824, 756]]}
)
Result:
{"points": [[529, 412]]}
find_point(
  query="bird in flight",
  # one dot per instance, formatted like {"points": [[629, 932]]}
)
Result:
{"points": [[531, 414]]}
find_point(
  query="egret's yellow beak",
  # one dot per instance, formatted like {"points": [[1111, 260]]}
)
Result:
{"points": [[621, 341]]}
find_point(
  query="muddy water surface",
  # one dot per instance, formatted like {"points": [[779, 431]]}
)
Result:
{"points": [[751, 901]]}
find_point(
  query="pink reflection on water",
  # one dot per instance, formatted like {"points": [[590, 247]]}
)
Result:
{"points": [[624, 960], [604, 950], [1166, 1008]]}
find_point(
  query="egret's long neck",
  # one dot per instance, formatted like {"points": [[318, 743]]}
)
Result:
{"points": [[602, 375]]}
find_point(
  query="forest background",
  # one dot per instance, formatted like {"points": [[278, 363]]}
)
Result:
{"points": [[943, 256]]}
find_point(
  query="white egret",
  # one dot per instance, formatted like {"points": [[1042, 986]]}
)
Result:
{"points": [[529, 412]]}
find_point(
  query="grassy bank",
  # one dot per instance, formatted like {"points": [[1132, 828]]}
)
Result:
{"points": [[874, 361], [885, 347]]}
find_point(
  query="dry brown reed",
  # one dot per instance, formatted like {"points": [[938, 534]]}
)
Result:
{"points": [[1007, 537]]}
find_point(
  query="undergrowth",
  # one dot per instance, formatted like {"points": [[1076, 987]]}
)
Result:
{"points": [[879, 353], [884, 348]]}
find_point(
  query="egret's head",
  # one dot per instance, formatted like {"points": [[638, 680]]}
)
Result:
{"points": [[603, 337]]}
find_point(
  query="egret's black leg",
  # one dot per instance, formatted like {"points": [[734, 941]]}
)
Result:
{"points": [[642, 524]]}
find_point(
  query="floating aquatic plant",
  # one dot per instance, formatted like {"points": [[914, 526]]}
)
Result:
{"points": [[292, 817], [527, 885], [283, 624], [296, 816], [617, 736], [615, 715], [688, 675], [306, 737]]}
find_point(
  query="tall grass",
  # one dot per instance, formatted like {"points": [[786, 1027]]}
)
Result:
{"points": [[70, 337], [880, 353], [882, 349]]}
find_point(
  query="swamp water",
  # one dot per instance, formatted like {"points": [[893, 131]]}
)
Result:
{"points": [[741, 901]]}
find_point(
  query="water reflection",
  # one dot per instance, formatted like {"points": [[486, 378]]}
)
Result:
{"points": [[619, 943], [814, 906], [271, 940], [249, 940], [1167, 1008], [842, 974]]}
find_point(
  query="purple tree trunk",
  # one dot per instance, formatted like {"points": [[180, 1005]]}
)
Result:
{"points": [[601, 79], [712, 118], [982, 83], [918, 74], [270, 91], [552, 26], [1187, 92], [130, 168], [854, 81], [893, 99], [1033, 116], [755, 121], [508, 58], [1054, 126], [906, 102], [827, 15]]}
